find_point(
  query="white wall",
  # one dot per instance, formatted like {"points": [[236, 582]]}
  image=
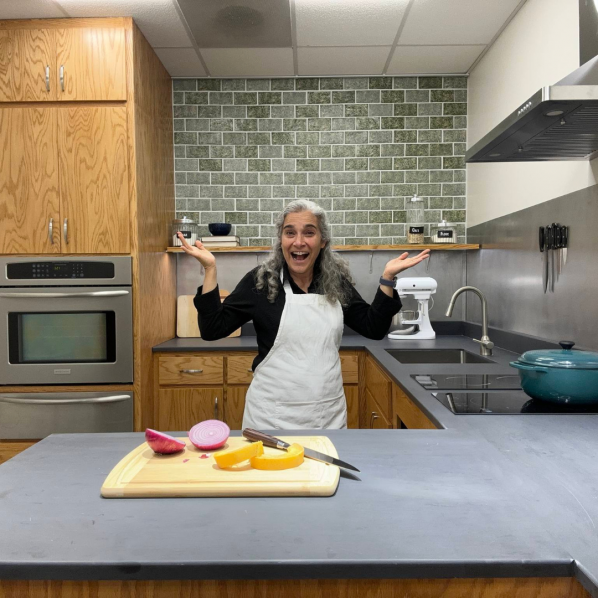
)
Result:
{"points": [[539, 47]]}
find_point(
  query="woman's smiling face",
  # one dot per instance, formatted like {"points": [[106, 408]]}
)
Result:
{"points": [[301, 241]]}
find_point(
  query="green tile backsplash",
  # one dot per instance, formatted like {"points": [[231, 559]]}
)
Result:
{"points": [[360, 147]]}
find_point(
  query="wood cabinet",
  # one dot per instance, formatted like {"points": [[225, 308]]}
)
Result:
{"points": [[375, 416], [377, 388], [182, 408], [190, 369], [406, 415], [10, 448]]}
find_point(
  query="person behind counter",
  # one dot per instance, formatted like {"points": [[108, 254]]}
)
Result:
{"points": [[298, 299]]}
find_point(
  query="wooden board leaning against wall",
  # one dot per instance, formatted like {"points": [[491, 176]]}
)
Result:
{"points": [[86, 114]]}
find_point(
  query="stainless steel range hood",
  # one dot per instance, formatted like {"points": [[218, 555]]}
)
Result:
{"points": [[559, 122]]}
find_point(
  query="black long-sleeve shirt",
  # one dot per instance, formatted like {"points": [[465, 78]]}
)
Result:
{"points": [[218, 319]]}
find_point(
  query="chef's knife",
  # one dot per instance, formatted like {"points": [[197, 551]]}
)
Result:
{"points": [[565, 244], [542, 243], [548, 251], [557, 245], [553, 256], [281, 444]]}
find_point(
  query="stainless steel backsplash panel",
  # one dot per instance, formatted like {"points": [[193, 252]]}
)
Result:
{"points": [[508, 270]]}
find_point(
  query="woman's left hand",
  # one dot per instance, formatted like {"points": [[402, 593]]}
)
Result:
{"points": [[403, 262]]}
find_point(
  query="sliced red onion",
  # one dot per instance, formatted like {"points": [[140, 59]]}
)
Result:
{"points": [[209, 435], [163, 443]]}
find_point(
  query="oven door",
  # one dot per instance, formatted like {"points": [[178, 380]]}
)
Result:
{"points": [[66, 335]]}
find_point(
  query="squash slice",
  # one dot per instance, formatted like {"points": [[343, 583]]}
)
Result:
{"points": [[226, 459], [293, 457]]}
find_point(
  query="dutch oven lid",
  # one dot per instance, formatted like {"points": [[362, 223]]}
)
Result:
{"points": [[562, 358]]}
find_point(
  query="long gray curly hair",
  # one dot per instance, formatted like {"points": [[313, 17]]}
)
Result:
{"points": [[334, 279]]}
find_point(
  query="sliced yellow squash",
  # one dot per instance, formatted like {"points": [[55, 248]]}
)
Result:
{"points": [[226, 459], [293, 457]]}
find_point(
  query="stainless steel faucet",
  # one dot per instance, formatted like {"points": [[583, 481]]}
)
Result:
{"points": [[486, 345]]}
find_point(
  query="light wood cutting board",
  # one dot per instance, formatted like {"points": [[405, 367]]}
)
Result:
{"points": [[143, 474], [186, 317]]}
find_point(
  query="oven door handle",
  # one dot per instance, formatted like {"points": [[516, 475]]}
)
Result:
{"points": [[63, 295], [111, 399]]}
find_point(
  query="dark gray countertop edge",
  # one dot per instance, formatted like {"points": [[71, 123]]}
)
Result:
{"points": [[330, 569]]}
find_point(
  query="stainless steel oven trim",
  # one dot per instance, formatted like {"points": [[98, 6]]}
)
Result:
{"points": [[7, 398]]}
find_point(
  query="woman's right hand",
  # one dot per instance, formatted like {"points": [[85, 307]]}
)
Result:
{"points": [[198, 251]]}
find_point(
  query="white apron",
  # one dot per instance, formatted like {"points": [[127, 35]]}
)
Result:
{"points": [[299, 385]]}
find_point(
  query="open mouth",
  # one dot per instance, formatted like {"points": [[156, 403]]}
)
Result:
{"points": [[299, 256]]}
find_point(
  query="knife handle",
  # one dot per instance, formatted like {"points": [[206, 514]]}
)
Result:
{"points": [[267, 440], [542, 239]]}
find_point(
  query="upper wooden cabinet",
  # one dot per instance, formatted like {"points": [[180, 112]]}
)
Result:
{"points": [[50, 63]]}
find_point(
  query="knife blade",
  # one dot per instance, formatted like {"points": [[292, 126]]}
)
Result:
{"points": [[557, 247], [274, 442], [548, 248], [542, 244], [552, 256], [565, 244]]}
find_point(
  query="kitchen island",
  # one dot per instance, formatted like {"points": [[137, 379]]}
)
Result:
{"points": [[484, 506]]}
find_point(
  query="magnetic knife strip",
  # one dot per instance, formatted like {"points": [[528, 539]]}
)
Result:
{"points": [[553, 241]]}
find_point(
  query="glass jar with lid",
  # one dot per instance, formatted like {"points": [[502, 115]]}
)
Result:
{"points": [[443, 232], [188, 227], [415, 220]]}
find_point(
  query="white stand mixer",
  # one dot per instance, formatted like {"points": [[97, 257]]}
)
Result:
{"points": [[422, 289]]}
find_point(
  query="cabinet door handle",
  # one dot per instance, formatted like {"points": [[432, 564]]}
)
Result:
{"points": [[47, 78], [65, 230], [250, 370], [50, 230], [216, 408], [373, 418], [62, 77], [191, 371]]}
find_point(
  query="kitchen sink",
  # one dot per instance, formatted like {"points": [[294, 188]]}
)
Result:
{"points": [[437, 356]]}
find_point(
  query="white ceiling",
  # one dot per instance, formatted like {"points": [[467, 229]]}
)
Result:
{"points": [[278, 38]]}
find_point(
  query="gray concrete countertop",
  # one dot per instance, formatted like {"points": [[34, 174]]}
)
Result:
{"points": [[485, 496]]}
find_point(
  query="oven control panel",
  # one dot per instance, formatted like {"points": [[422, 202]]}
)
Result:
{"points": [[61, 270]]}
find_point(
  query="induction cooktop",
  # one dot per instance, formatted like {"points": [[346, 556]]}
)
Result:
{"points": [[503, 402], [468, 381]]}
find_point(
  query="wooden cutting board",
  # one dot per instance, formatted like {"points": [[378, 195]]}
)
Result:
{"points": [[186, 317], [144, 474]]}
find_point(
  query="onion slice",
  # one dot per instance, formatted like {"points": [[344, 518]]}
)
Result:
{"points": [[209, 435], [163, 443]]}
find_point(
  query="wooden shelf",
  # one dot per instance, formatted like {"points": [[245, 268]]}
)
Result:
{"points": [[434, 246]]}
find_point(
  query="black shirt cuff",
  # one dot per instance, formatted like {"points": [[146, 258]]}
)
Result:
{"points": [[385, 305], [208, 302]]}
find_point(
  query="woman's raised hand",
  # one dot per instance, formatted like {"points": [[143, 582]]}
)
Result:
{"points": [[403, 262], [198, 251]]}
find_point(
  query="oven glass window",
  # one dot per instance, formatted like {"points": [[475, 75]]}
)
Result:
{"points": [[81, 337]]}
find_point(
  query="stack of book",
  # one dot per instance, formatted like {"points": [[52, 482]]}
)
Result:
{"points": [[225, 241]]}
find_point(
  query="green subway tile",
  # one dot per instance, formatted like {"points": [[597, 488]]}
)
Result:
{"points": [[453, 189], [269, 124], [245, 98], [405, 109], [367, 123], [378, 109], [234, 138], [343, 124], [416, 149], [185, 164], [344, 151], [355, 83], [405, 136], [217, 97], [456, 109], [307, 138], [395, 96], [258, 84], [343, 97], [187, 191], [352, 241], [430, 82], [294, 124], [344, 203], [459, 203], [367, 230], [454, 82], [441, 203], [196, 97], [380, 191], [459, 176], [392, 176], [282, 84], [199, 151], [320, 178], [295, 178], [332, 191], [271, 205], [417, 176], [207, 217], [356, 190], [461, 95], [307, 111], [308, 192], [199, 205], [449, 136], [306, 83], [356, 110], [282, 111], [380, 164], [235, 217], [210, 164], [198, 178], [442, 95], [180, 178], [208, 84], [184, 84], [460, 122], [380, 83], [405, 82], [381, 217], [417, 122], [295, 151], [246, 151], [429, 136], [283, 191], [405, 190], [332, 111], [184, 111], [270, 151], [356, 217], [392, 203], [258, 111], [319, 151], [254, 191], [258, 138], [429, 163], [259, 165], [390, 230], [246, 178], [303, 164], [185, 138], [392, 122], [283, 138], [441, 149], [343, 178], [370, 96], [454, 215], [356, 164], [441, 122], [343, 230], [318, 97], [293, 97], [424, 109], [370, 150], [179, 124], [245, 124], [331, 83], [209, 138], [405, 163], [233, 84], [221, 124], [427, 189], [223, 205], [259, 218], [417, 95], [318, 124], [269, 97], [209, 111], [441, 176], [367, 178], [332, 137]]}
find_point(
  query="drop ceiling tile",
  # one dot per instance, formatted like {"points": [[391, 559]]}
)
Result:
{"points": [[348, 22], [342, 61], [239, 23], [181, 62], [249, 62], [32, 9], [455, 21], [158, 19], [433, 59]]}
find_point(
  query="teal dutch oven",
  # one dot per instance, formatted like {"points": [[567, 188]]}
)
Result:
{"points": [[560, 376]]}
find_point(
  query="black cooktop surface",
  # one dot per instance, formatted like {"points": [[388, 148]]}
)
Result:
{"points": [[504, 402], [468, 381]]}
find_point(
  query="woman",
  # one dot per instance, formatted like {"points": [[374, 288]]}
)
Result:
{"points": [[298, 299]]}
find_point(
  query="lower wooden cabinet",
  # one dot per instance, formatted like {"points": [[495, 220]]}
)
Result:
{"points": [[234, 405], [375, 417], [352, 395], [10, 448], [406, 415], [182, 408]]}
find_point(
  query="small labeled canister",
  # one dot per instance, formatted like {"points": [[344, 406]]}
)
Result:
{"points": [[443, 232], [186, 226]]}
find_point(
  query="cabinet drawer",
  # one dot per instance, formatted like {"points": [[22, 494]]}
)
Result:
{"points": [[350, 368], [191, 370], [239, 369]]}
